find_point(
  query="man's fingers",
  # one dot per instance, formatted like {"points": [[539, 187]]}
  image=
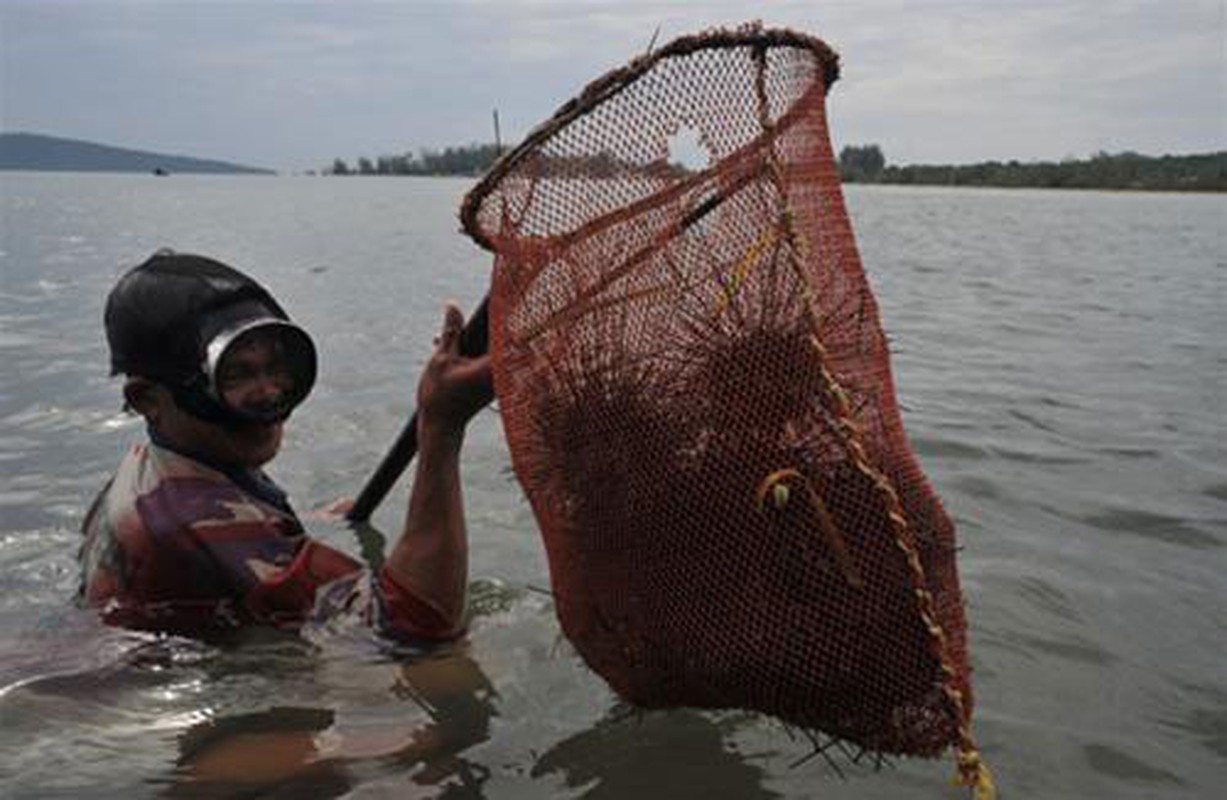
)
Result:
{"points": [[453, 323], [332, 511]]}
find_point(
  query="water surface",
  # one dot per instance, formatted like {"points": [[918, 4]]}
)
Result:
{"points": [[1059, 358]]}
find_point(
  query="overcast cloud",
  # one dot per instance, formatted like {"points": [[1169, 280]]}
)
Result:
{"points": [[290, 85]]}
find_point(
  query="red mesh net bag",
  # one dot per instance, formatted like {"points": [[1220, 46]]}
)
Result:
{"points": [[697, 397]]}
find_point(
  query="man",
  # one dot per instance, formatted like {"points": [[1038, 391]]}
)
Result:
{"points": [[190, 536]]}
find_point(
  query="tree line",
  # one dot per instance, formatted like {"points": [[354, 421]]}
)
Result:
{"points": [[867, 164], [1200, 173], [470, 159], [474, 159]]}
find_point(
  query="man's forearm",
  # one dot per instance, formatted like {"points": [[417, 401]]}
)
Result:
{"points": [[431, 558]]}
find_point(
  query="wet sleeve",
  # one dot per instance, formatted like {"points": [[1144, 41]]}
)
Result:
{"points": [[373, 600], [406, 616]]}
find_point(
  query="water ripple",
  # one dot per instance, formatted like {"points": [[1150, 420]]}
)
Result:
{"points": [[1206, 721], [1044, 458], [1151, 525], [1108, 760], [1217, 491], [1044, 595], [1071, 648], [1033, 421], [928, 446]]}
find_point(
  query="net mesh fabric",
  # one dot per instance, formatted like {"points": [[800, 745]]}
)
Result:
{"points": [[697, 396]]}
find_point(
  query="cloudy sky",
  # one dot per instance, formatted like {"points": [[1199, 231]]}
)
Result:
{"points": [[291, 84]]}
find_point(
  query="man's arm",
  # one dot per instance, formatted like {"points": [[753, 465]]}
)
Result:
{"points": [[430, 560]]}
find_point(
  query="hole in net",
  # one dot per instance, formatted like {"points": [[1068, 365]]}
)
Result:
{"points": [[687, 151]]}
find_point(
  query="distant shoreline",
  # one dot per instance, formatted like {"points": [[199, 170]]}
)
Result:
{"points": [[1136, 189], [470, 177], [1204, 173], [1198, 173], [977, 186]]}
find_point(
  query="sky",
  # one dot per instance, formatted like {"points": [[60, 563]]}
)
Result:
{"points": [[292, 84]]}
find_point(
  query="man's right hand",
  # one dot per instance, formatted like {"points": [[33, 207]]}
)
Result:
{"points": [[453, 387]]}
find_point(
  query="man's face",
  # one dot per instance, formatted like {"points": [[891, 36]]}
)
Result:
{"points": [[254, 378], [258, 377]]}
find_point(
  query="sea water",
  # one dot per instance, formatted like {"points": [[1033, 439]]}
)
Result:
{"points": [[1061, 366]]}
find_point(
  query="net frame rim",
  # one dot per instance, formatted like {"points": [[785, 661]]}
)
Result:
{"points": [[611, 83]]}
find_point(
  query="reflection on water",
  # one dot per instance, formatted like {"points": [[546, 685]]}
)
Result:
{"points": [[254, 753], [311, 750], [679, 755]]}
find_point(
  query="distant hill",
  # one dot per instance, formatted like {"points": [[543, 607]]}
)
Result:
{"points": [[31, 151]]}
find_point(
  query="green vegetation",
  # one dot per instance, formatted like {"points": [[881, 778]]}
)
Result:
{"points": [[1192, 173], [861, 164], [866, 164], [475, 159], [472, 159]]}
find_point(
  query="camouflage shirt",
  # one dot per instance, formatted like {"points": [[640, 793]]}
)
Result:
{"points": [[174, 545]]}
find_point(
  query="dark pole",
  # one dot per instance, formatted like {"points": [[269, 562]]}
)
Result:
{"points": [[473, 342]]}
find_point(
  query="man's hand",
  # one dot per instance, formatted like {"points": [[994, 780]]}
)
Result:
{"points": [[331, 512], [453, 387]]}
